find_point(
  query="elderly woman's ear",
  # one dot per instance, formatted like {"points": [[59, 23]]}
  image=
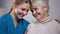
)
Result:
{"points": [[57, 20]]}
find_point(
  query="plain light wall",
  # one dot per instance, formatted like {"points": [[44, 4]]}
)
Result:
{"points": [[5, 6], [54, 10]]}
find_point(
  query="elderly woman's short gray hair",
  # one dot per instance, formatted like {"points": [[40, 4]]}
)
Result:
{"points": [[40, 2]]}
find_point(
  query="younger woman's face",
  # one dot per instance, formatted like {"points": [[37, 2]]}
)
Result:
{"points": [[22, 10]]}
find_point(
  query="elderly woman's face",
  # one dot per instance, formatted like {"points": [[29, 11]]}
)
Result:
{"points": [[22, 10], [39, 11]]}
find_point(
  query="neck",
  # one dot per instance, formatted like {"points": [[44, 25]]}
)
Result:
{"points": [[13, 16]]}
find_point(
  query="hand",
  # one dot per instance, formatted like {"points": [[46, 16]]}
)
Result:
{"points": [[57, 20]]}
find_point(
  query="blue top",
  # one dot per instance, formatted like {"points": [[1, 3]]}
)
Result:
{"points": [[7, 25]]}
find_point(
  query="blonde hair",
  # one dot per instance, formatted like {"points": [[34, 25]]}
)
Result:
{"points": [[18, 2], [40, 2]]}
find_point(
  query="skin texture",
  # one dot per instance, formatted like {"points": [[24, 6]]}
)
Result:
{"points": [[22, 10], [39, 12]]}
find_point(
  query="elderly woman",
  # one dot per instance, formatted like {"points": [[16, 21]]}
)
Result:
{"points": [[13, 22], [44, 24]]}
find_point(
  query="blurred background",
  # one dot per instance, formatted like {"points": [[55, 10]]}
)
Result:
{"points": [[54, 10]]}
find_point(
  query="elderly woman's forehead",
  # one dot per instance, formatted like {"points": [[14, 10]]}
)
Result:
{"points": [[40, 2], [37, 6]]}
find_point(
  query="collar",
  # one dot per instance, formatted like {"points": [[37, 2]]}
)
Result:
{"points": [[45, 20]]}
